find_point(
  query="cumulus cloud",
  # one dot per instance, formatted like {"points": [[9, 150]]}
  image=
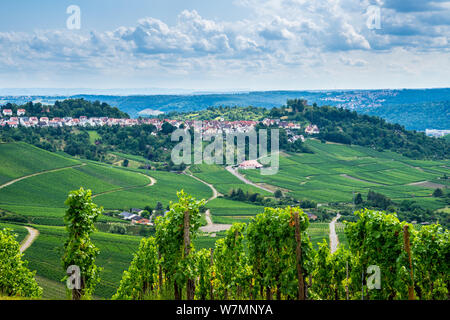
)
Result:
{"points": [[353, 62], [280, 34]]}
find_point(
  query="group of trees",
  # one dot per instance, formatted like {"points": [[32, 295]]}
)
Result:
{"points": [[136, 140], [226, 113], [279, 200], [348, 127], [69, 108], [408, 210]]}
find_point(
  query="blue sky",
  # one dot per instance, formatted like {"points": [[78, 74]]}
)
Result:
{"points": [[225, 44]]}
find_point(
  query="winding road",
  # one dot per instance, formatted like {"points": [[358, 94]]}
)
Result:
{"points": [[28, 241], [39, 173], [210, 225], [334, 240], [234, 172], [152, 182]]}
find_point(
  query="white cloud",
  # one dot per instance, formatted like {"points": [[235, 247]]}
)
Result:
{"points": [[281, 36]]}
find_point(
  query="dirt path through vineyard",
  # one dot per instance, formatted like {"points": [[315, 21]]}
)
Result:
{"points": [[334, 241], [210, 225], [32, 235]]}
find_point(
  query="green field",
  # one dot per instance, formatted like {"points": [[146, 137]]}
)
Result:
{"points": [[318, 231], [340, 227], [41, 197], [46, 215], [56, 185], [334, 171], [19, 230], [331, 174], [93, 136], [164, 191], [21, 159], [221, 179]]}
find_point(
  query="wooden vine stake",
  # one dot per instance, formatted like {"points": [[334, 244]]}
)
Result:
{"points": [[346, 283], [408, 251], [298, 251], [211, 289], [187, 246], [160, 279]]}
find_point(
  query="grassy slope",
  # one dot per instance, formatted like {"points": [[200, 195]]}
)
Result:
{"points": [[19, 230], [167, 185], [319, 176], [41, 198], [21, 159], [221, 179]]}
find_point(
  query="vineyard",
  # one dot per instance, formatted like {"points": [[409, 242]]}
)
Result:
{"points": [[334, 171], [267, 254], [272, 257]]}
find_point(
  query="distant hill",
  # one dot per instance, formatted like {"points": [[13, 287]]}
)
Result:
{"points": [[416, 109]]}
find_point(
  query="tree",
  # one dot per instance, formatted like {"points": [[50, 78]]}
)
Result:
{"points": [[15, 277], [125, 163], [159, 209], [438, 193], [117, 228], [145, 214], [328, 278], [78, 248], [358, 199], [167, 128], [431, 251], [278, 194]]}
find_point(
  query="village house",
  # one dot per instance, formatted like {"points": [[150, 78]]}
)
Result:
{"points": [[136, 211], [295, 138], [125, 214], [13, 124], [312, 129], [250, 164], [7, 112], [312, 216], [21, 112], [143, 221]]}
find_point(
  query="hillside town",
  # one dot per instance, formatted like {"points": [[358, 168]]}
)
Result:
{"points": [[7, 118]]}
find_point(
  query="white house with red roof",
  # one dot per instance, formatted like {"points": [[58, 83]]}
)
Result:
{"points": [[312, 129], [21, 112], [250, 164], [7, 112]]}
